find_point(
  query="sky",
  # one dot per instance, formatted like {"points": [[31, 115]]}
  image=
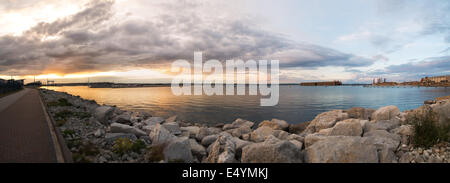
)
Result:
{"points": [[136, 41]]}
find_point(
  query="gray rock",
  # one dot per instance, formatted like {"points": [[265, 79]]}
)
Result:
{"points": [[99, 133], [442, 110], [382, 125], [208, 140], [296, 137], [272, 150], [197, 150], [173, 127], [178, 150], [297, 143], [383, 139], [385, 113], [360, 113], [124, 118], [348, 127], [280, 134], [386, 155], [103, 113], [313, 138], [342, 149], [160, 135], [405, 132], [261, 133], [205, 131], [325, 120], [222, 150], [191, 130], [148, 128], [154, 120], [275, 124], [171, 119], [121, 128], [238, 132], [238, 123]]}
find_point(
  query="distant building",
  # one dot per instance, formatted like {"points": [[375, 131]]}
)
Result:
{"points": [[436, 79], [379, 80]]}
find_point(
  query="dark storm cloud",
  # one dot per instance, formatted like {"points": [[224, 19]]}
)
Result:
{"points": [[95, 40]]}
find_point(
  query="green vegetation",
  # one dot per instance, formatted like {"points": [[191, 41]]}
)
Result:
{"points": [[125, 145], [59, 102], [66, 114], [68, 133], [63, 114], [427, 131]]}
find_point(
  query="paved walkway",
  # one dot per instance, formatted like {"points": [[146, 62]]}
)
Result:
{"points": [[25, 135]]}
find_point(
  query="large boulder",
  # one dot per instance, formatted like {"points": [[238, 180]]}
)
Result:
{"points": [[192, 131], [160, 135], [442, 111], [405, 132], [239, 145], [360, 113], [313, 138], [103, 113], [238, 132], [238, 123], [124, 118], [383, 139], [197, 150], [348, 127], [173, 127], [260, 134], [205, 131], [272, 150], [385, 113], [121, 128], [222, 150], [342, 149], [275, 124], [280, 134], [382, 125], [178, 150], [154, 120], [325, 120], [208, 140]]}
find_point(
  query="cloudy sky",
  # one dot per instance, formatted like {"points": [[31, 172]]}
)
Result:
{"points": [[137, 40]]}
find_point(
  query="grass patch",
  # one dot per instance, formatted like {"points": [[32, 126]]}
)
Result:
{"points": [[66, 114], [125, 145], [63, 114], [59, 102], [427, 131]]}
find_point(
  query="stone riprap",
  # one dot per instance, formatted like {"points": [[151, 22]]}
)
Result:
{"points": [[105, 134]]}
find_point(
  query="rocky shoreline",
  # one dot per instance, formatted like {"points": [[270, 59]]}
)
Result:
{"points": [[105, 134]]}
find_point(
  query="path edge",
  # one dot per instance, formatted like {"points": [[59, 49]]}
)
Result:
{"points": [[63, 154]]}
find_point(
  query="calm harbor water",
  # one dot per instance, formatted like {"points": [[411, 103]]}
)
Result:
{"points": [[296, 104]]}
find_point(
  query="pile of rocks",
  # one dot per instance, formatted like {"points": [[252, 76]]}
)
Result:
{"points": [[354, 135]]}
